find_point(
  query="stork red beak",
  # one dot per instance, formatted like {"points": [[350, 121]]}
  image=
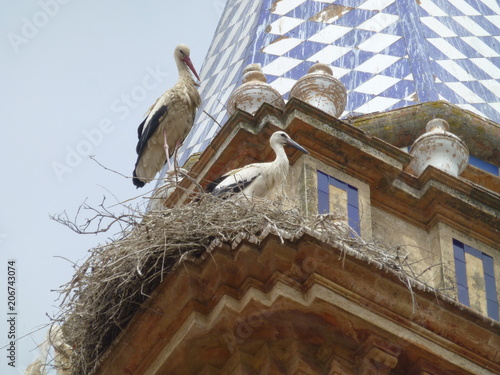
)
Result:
{"points": [[291, 142], [188, 62]]}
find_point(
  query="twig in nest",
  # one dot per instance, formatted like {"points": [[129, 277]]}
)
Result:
{"points": [[116, 279], [101, 217]]}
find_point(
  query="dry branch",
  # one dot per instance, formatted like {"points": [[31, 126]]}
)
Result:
{"points": [[110, 286]]}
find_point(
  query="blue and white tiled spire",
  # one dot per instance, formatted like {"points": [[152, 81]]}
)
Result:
{"points": [[388, 53]]}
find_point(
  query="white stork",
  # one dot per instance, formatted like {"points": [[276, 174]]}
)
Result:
{"points": [[167, 122], [256, 180]]}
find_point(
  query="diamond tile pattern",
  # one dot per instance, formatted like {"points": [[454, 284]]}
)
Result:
{"points": [[388, 54]]}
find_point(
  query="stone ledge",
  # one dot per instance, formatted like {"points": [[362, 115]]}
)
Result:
{"points": [[201, 299]]}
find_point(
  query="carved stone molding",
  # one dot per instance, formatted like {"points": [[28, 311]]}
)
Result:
{"points": [[377, 357]]}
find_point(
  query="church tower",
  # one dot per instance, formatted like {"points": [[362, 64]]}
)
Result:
{"points": [[377, 252], [388, 53]]}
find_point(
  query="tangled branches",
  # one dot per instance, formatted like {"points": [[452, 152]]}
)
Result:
{"points": [[100, 221], [108, 289]]}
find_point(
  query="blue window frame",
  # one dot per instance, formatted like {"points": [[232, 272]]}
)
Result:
{"points": [[484, 165], [324, 181], [460, 249]]}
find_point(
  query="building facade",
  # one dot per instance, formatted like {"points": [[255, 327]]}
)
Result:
{"points": [[389, 54], [403, 64], [299, 305]]}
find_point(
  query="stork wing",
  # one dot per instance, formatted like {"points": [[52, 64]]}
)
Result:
{"points": [[140, 128], [151, 127], [152, 106], [234, 181]]}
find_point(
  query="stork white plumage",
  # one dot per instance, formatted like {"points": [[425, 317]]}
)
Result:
{"points": [[257, 180], [167, 122]]}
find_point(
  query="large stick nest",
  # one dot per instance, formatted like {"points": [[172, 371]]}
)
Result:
{"points": [[109, 287]]}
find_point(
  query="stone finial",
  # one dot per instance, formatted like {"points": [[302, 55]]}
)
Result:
{"points": [[320, 68], [253, 92], [439, 148], [320, 89], [253, 72]]}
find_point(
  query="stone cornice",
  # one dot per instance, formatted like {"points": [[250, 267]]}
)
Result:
{"points": [[317, 284], [463, 202]]}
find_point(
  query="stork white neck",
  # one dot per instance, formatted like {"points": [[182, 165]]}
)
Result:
{"points": [[185, 74], [279, 150], [280, 167]]}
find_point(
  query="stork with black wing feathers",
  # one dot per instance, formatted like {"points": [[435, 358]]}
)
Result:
{"points": [[167, 122], [258, 179]]}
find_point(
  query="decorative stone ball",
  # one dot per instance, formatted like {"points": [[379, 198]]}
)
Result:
{"points": [[439, 148], [320, 89], [253, 92], [437, 125]]}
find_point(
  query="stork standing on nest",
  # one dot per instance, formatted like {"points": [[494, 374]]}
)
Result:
{"points": [[256, 180], [167, 122]]}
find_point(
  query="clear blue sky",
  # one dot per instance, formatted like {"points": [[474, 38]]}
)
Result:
{"points": [[76, 78]]}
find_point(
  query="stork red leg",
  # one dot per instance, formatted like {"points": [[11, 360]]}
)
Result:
{"points": [[177, 146], [165, 145]]}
